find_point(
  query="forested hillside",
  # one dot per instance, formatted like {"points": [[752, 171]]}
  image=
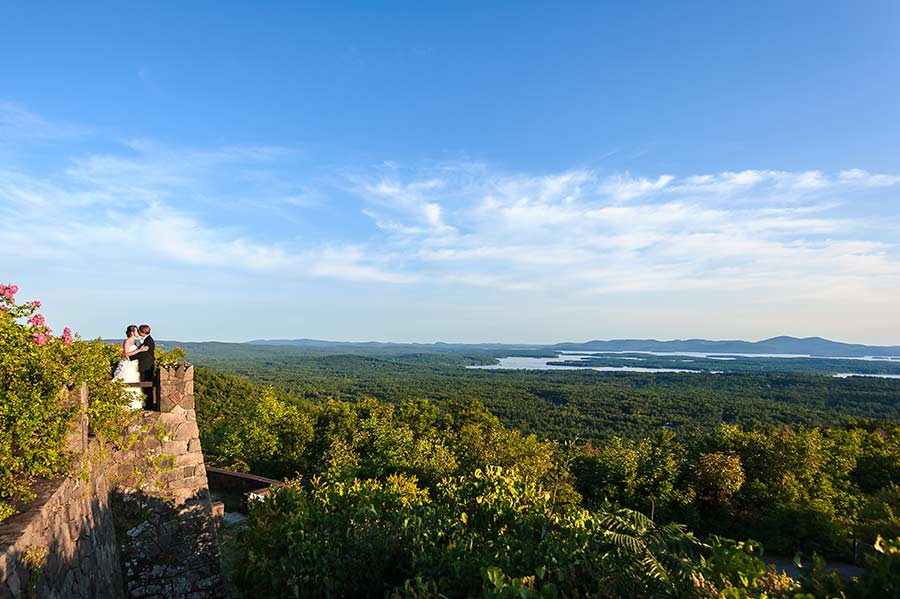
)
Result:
{"points": [[417, 470], [564, 405]]}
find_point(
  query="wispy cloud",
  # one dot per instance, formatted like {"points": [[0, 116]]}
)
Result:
{"points": [[183, 207], [16, 122], [587, 233], [578, 232], [626, 187]]}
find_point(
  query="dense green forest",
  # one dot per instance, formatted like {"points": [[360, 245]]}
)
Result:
{"points": [[827, 483], [435, 480], [231, 355], [564, 405]]}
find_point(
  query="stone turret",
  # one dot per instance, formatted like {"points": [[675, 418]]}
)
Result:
{"points": [[170, 548], [176, 387]]}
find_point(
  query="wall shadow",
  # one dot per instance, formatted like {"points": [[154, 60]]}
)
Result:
{"points": [[167, 550]]}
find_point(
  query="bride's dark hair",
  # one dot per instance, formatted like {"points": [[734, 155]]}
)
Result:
{"points": [[132, 328]]}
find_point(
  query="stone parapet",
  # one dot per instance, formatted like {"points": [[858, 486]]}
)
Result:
{"points": [[176, 387], [165, 460], [135, 521], [77, 439], [64, 543]]}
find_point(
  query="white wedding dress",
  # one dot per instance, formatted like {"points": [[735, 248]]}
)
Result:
{"points": [[127, 372]]}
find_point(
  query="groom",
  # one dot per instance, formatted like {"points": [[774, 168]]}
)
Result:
{"points": [[146, 361]]}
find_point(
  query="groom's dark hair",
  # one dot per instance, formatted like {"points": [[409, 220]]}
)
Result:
{"points": [[144, 329]]}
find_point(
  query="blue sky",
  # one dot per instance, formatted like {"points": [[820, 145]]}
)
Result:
{"points": [[521, 172]]}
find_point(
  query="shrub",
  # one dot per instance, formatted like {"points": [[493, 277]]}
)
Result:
{"points": [[494, 532], [36, 371]]}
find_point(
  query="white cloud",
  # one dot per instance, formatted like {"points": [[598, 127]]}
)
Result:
{"points": [[231, 211], [160, 205], [433, 214], [626, 187], [582, 233], [860, 177], [466, 225]]}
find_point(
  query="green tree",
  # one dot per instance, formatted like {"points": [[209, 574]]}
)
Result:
{"points": [[270, 438], [719, 477]]}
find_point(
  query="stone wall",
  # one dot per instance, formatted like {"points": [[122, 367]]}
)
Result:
{"points": [[134, 522], [161, 504], [64, 545]]}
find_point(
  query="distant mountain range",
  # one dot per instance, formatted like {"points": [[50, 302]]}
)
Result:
{"points": [[814, 346]]}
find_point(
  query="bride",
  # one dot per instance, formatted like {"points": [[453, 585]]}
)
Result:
{"points": [[127, 369]]}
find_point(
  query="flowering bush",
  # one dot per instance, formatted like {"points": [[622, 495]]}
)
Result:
{"points": [[36, 368]]}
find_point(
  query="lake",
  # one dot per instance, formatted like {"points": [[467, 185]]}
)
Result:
{"points": [[528, 363], [731, 356], [844, 375], [521, 363]]}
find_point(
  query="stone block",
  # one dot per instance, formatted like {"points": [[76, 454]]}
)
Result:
{"points": [[179, 496], [54, 565], [208, 583], [189, 459], [168, 477], [69, 582], [168, 418], [124, 471], [73, 533], [188, 482], [14, 583], [187, 431], [181, 587], [175, 448]]}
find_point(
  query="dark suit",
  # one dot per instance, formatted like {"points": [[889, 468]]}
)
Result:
{"points": [[146, 361]]}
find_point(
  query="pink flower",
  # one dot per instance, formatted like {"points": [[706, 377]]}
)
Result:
{"points": [[35, 304], [37, 320], [3, 307], [67, 336], [40, 339]]}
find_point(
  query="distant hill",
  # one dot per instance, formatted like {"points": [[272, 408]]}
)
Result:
{"points": [[813, 346], [440, 345]]}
